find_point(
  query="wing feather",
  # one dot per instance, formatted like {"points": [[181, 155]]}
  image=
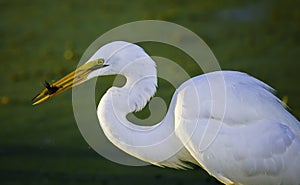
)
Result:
{"points": [[254, 140]]}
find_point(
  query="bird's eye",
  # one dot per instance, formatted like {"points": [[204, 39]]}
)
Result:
{"points": [[100, 61]]}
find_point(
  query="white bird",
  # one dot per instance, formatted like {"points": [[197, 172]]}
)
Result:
{"points": [[245, 136]]}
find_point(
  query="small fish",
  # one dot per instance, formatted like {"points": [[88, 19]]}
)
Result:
{"points": [[51, 88]]}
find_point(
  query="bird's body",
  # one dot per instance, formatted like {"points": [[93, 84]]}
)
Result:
{"points": [[227, 122], [254, 141]]}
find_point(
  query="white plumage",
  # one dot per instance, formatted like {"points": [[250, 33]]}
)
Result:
{"points": [[248, 138], [257, 140], [227, 122]]}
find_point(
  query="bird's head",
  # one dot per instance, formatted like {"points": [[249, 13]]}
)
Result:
{"points": [[117, 57]]}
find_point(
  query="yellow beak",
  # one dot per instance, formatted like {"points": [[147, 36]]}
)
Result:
{"points": [[74, 78]]}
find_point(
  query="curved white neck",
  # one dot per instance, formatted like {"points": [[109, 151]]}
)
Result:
{"points": [[149, 143]]}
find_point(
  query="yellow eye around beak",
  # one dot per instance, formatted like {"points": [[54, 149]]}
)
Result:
{"points": [[72, 79]]}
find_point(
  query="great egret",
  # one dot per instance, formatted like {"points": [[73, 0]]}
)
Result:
{"points": [[254, 140]]}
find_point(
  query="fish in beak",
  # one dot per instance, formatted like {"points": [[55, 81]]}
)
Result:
{"points": [[74, 78]]}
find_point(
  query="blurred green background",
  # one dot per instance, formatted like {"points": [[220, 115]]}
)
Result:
{"points": [[43, 40]]}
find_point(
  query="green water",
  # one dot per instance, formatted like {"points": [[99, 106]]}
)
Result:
{"points": [[43, 40]]}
